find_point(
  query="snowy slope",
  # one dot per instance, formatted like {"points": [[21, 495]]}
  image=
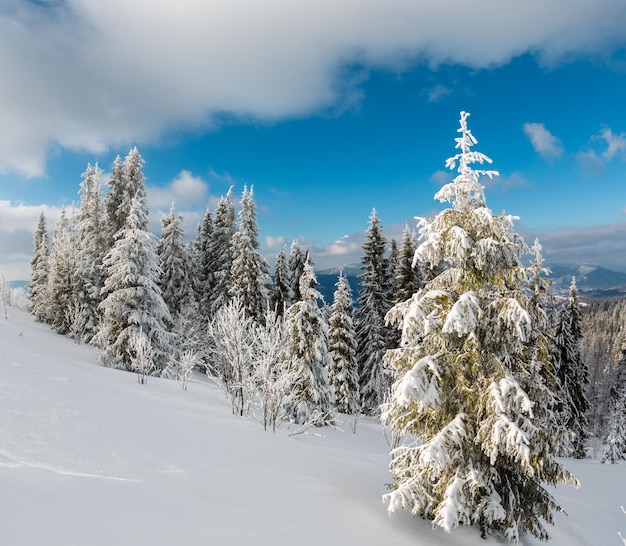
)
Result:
{"points": [[89, 457]]}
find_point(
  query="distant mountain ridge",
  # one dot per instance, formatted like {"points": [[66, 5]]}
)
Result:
{"points": [[591, 280]]}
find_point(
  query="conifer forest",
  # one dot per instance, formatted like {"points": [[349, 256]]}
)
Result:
{"points": [[486, 377]]}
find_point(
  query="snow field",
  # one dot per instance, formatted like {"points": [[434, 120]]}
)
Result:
{"points": [[89, 457]]}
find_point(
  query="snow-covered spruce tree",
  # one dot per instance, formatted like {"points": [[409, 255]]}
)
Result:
{"points": [[372, 334], [344, 374], [133, 302], [220, 259], [39, 267], [113, 202], [311, 396], [126, 180], [201, 255], [92, 247], [475, 446], [62, 280], [614, 444], [249, 275], [572, 371], [297, 258], [281, 292], [614, 441], [175, 279], [407, 275]]}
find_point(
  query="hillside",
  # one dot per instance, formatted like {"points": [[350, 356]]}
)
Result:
{"points": [[89, 457]]}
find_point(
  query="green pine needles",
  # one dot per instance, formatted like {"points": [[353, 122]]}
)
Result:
{"points": [[474, 406]]}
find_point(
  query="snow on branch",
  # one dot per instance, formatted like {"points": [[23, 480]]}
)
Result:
{"points": [[464, 316], [420, 385]]}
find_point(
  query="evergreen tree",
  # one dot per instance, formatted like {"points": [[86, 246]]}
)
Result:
{"points": [[249, 276], [473, 408], [62, 280], [202, 264], [311, 397], [572, 371], [407, 275], [92, 247], [282, 294], [175, 279], [134, 310], [40, 268], [614, 442], [297, 258], [220, 258], [344, 374], [372, 335], [126, 181], [113, 201]]}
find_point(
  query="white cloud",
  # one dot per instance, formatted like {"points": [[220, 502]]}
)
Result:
{"points": [[590, 162], [185, 189], [275, 243], [594, 161], [603, 245], [616, 144], [436, 93], [514, 180], [543, 141], [441, 177], [17, 226], [89, 75]]}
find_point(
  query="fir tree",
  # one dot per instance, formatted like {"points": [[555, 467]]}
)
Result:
{"points": [[407, 275], [311, 397], [344, 375], [282, 293], [92, 247], [62, 279], [133, 307], [202, 280], [249, 276], [114, 201], [372, 335], [220, 258], [614, 442], [572, 371], [175, 279], [472, 404], [39, 265], [297, 258]]}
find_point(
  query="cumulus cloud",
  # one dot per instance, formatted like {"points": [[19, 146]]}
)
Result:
{"points": [[543, 141], [594, 161], [186, 189], [275, 243], [17, 226], [616, 144], [89, 75]]}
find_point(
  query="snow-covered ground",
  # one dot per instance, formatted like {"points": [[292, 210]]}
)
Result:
{"points": [[89, 457]]}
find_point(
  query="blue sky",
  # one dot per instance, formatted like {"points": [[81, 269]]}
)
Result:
{"points": [[328, 108]]}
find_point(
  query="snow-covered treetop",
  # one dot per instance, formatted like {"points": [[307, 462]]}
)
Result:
{"points": [[465, 192]]}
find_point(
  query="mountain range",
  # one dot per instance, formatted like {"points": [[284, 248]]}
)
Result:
{"points": [[592, 281]]}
